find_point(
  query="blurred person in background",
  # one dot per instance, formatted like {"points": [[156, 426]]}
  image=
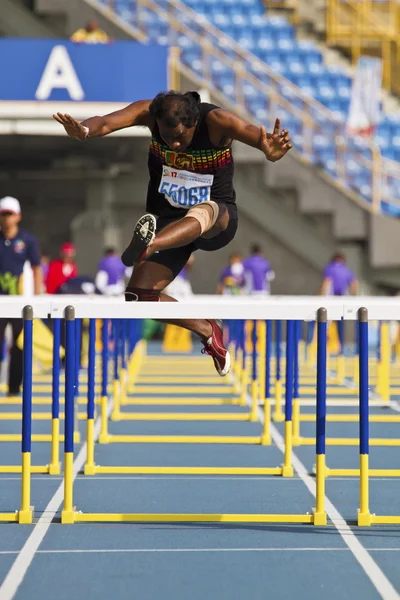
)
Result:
{"points": [[91, 34], [17, 247], [181, 287], [45, 263], [231, 281], [257, 273], [190, 190], [111, 273], [62, 269], [338, 278]]}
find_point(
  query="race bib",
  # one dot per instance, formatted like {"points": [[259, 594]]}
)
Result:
{"points": [[183, 189]]}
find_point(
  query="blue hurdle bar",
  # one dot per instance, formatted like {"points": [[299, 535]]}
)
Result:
{"points": [[254, 379], [115, 416]]}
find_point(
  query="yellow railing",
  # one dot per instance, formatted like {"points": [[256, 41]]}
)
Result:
{"points": [[313, 118], [366, 25]]}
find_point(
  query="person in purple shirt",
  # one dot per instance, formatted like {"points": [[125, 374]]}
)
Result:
{"points": [[257, 272], [110, 278], [339, 280]]}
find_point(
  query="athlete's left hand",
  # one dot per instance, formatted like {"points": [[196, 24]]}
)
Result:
{"points": [[275, 145]]}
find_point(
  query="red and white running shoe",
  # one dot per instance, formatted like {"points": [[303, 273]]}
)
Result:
{"points": [[214, 346]]}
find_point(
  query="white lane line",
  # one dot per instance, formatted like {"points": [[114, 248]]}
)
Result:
{"points": [[25, 557], [367, 563], [168, 550]]}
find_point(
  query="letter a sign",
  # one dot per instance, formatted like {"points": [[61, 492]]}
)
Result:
{"points": [[59, 73]]}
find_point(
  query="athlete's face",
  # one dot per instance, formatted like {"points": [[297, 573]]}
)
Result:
{"points": [[177, 138]]}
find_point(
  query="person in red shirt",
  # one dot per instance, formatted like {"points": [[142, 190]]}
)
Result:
{"points": [[61, 270]]}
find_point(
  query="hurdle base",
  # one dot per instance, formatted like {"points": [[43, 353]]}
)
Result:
{"points": [[279, 418], [266, 440], [104, 438], [116, 416], [68, 517], [364, 519], [296, 441], [25, 517], [287, 471], [188, 470], [55, 469], [9, 517], [89, 469], [188, 518], [319, 517]]}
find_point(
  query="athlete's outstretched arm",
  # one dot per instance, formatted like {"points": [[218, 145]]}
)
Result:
{"points": [[230, 127], [136, 113]]}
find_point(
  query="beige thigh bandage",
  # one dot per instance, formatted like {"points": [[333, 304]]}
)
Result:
{"points": [[206, 213]]}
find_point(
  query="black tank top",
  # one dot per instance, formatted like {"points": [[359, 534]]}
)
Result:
{"points": [[173, 188]]}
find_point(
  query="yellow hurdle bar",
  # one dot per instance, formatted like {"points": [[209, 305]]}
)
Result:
{"points": [[36, 437], [382, 520], [180, 402], [9, 517], [190, 518], [287, 469], [37, 416], [356, 472], [364, 515], [89, 468], [55, 466], [182, 417], [68, 513], [190, 470], [350, 442], [319, 512], [104, 436], [25, 515], [41, 469], [266, 434], [184, 439], [385, 363], [220, 390], [254, 401], [344, 418]]}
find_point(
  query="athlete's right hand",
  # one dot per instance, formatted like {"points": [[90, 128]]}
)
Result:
{"points": [[73, 128]]}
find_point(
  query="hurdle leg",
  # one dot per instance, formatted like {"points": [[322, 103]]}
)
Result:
{"points": [[320, 436], [68, 512], [296, 422], [278, 413], [55, 466], [90, 467], [266, 434], [104, 437], [287, 468], [364, 516], [25, 514]]}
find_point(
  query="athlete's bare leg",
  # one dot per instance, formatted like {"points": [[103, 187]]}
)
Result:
{"points": [[187, 230], [152, 276]]}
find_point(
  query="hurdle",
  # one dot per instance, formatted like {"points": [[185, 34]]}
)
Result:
{"points": [[264, 439], [25, 514], [53, 468], [383, 377], [317, 516]]}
